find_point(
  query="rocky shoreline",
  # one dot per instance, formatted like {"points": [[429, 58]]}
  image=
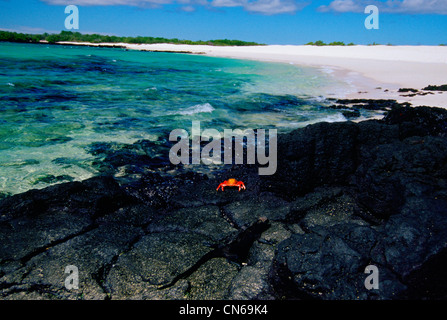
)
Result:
{"points": [[345, 196]]}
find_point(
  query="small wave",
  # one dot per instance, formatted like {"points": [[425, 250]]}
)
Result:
{"points": [[329, 118], [335, 118], [317, 99], [198, 108], [327, 69], [11, 84]]}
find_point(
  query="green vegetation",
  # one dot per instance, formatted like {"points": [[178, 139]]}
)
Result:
{"points": [[334, 43], [316, 43], [97, 38], [339, 43], [21, 37]]}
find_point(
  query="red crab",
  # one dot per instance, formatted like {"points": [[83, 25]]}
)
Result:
{"points": [[231, 183]]}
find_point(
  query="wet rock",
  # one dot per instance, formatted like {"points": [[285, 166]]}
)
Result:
{"points": [[93, 197], [345, 196], [351, 114], [49, 178], [331, 212], [204, 193], [313, 200], [324, 153], [155, 260], [252, 282], [371, 104], [436, 88], [244, 212], [205, 220], [138, 215], [375, 132], [134, 158], [152, 189], [37, 219], [212, 280], [316, 263], [407, 90], [194, 193], [91, 252], [414, 237], [395, 172], [25, 237], [419, 121], [329, 265]]}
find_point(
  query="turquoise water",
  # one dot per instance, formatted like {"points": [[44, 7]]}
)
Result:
{"points": [[59, 103]]}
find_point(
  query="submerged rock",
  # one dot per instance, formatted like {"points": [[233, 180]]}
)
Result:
{"points": [[442, 87]]}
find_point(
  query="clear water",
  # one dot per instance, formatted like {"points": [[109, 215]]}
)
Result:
{"points": [[56, 102]]}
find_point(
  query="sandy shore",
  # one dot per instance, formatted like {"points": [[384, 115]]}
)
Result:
{"points": [[373, 72]]}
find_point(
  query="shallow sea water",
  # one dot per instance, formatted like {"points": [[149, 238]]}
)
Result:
{"points": [[58, 102]]}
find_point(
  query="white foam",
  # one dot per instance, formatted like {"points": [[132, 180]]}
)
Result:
{"points": [[335, 118], [330, 118], [198, 108], [327, 69]]}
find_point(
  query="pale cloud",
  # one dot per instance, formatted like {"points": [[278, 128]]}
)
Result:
{"points": [[228, 3], [389, 6], [136, 3], [267, 7], [188, 8], [342, 6], [276, 6], [271, 7]]}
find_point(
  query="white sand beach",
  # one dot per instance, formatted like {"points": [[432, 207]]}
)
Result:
{"points": [[373, 72]]}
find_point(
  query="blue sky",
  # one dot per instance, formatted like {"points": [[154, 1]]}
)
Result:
{"points": [[410, 22]]}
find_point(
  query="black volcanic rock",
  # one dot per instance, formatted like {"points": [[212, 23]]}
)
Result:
{"points": [[407, 90], [324, 153], [442, 87], [329, 264], [93, 197], [345, 196], [398, 182], [368, 104], [420, 121]]}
